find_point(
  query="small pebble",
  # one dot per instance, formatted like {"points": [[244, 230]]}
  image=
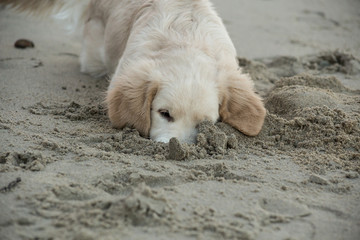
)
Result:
{"points": [[24, 43]]}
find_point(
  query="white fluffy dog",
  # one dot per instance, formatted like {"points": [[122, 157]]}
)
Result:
{"points": [[172, 64]]}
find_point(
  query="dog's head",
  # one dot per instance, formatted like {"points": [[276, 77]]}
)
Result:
{"points": [[170, 101]]}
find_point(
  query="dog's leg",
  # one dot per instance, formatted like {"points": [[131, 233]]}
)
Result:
{"points": [[92, 53]]}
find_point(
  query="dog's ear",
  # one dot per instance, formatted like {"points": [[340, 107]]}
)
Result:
{"points": [[129, 103], [240, 106]]}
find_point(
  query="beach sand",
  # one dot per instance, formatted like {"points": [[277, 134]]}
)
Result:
{"points": [[65, 173]]}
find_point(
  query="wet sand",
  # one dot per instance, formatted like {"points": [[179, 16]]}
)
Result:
{"points": [[66, 174]]}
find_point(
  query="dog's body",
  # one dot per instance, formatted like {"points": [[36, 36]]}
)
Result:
{"points": [[172, 63]]}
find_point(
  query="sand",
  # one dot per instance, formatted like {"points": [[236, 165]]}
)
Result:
{"points": [[66, 174]]}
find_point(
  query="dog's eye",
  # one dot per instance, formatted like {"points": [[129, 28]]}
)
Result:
{"points": [[165, 114]]}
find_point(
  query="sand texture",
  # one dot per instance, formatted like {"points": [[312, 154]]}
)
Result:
{"points": [[66, 174]]}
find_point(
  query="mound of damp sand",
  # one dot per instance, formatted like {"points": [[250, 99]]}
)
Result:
{"points": [[307, 113], [286, 100], [210, 141]]}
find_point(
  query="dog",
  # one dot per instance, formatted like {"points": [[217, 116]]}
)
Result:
{"points": [[172, 64]]}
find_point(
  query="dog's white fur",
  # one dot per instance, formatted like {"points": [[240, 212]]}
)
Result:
{"points": [[173, 66]]}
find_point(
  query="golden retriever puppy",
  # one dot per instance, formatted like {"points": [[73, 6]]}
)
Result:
{"points": [[172, 64]]}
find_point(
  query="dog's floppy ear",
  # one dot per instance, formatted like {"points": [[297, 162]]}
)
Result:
{"points": [[240, 106], [129, 103]]}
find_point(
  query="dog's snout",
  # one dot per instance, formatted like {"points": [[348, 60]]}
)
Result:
{"points": [[185, 136]]}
